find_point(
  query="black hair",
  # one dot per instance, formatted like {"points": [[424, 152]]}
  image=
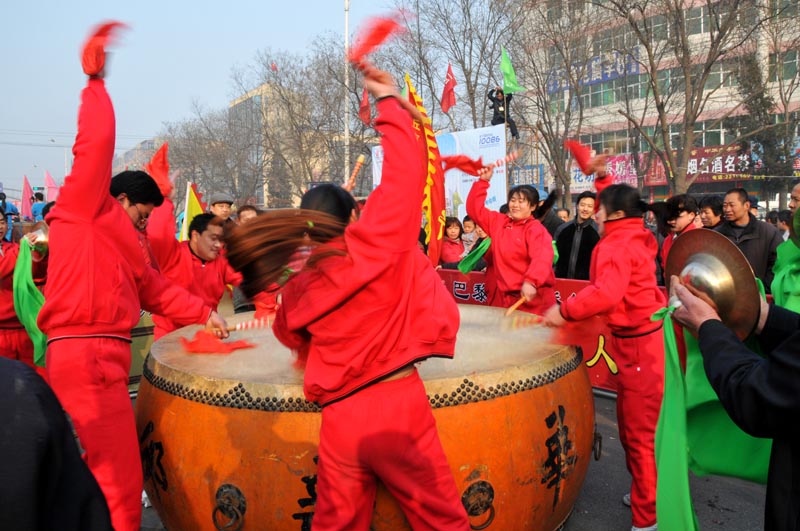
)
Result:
{"points": [[201, 222], [584, 195], [527, 192], [772, 217], [785, 216], [467, 218], [503, 208], [331, 199], [714, 202], [625, 198], [245, 208], [47, 208], [38, 196], [138, 186], [680, 203], [449, 221], [744, 197]]}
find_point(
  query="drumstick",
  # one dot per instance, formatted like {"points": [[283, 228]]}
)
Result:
{"points": [[511, 157], [250, 325], [516, 305]]}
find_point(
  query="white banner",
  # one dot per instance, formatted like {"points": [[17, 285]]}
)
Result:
{"points": [[486, 142]]}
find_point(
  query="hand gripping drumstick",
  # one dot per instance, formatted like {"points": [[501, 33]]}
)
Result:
{"points": [[250, 325]]}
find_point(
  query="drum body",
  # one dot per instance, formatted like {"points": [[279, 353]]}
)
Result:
{"points": [[230, 440]]}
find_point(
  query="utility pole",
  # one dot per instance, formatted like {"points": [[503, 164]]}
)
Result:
{"points": [[346, 92]]}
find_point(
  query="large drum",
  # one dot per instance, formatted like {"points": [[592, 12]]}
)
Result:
{"points": [[229, 442]]}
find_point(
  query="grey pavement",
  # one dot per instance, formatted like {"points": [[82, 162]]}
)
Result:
{"points": [[721, 503]]}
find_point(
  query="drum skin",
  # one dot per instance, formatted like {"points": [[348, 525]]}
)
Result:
{"points": [[229, 442]]}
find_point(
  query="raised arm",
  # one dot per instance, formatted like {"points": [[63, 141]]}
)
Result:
{"points": [[605, 291], [86, 189], [392, 215], [476, 206], [161, 235]]}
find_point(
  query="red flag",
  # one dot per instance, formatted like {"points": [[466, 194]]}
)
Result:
{"points": [[372, 36], [158, 168], [27, 199], [363, 109], [273, 66], [93, 56], [52, 187], [449, 92], [582, 154]]}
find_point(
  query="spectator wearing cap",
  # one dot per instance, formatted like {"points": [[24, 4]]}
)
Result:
{"points": [[681, 212], [757, 241], [219, 204], [753, 205]]}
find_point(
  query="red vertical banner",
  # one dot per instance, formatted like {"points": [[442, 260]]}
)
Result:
{"points": [[433, 205], [449, 91]]}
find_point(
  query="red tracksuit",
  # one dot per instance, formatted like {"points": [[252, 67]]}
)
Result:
{"points": [[179, 264], [521, 250], [97, 282], [14, 341], [623, 288], [362, 317], [452, 251]]}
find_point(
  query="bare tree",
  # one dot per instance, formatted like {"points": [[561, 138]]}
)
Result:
{"points": [[683, 48]]}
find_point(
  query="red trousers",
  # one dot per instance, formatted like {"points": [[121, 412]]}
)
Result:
{"points": [[640, 386], [16, 344], [385, 431], [90, 378]]}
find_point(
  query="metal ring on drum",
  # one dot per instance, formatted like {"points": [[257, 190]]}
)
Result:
{"points": [[515, 416]]}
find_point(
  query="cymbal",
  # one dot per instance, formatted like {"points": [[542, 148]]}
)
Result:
{"points": [[794, 227], [716, 270]]}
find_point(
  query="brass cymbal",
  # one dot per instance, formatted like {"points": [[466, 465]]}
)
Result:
{"points": [[794, 227], [716, 270]]}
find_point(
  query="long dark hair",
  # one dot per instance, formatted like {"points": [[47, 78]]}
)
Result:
{"points": [[261, 249], [625, 198]]}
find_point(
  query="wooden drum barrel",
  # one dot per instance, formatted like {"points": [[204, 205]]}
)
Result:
{"points": [[229, 442]]}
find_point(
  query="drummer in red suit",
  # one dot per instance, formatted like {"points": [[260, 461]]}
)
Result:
{"points": [[364, 309], [522, 249], [623, 289], [197, 265], [14, 340], [97, 282]]}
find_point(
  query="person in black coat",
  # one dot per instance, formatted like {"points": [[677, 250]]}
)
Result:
{"points": [[500, 109], [575, 240], [44, 483], [761, 395]]}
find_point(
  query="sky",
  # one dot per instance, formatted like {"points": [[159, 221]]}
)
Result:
{"points": [[174, 53]]}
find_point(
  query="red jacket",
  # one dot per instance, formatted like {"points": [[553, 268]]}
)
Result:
{"points": [[622, 280], [382, 306], [667, 245], [451, 250], [179, 264], [97, 276], [8, 261], [521, 250]]}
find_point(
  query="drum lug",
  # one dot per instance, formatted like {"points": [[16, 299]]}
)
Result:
{"points": [[477, 500], [231, 505], [597, 444]]}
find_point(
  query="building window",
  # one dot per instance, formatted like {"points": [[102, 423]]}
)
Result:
{"points": [[783, 66], [696, 20]]}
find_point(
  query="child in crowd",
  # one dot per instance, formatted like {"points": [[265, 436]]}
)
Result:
{"points": [[452, 246], [469, 234], [623, 288]]}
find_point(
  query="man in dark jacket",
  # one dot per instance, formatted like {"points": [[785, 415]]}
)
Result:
{"points": [[758, 241], [761, 395], [575, 240]]}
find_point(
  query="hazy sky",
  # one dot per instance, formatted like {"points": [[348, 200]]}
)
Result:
{"points": [[174, 53]]}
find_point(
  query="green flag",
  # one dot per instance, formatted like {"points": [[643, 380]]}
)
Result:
{"points": [[469, 261], [510, 85], [695, 433], [28, 300]]}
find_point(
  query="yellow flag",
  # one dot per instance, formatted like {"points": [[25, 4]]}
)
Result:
{"points": [[192, 208]]}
